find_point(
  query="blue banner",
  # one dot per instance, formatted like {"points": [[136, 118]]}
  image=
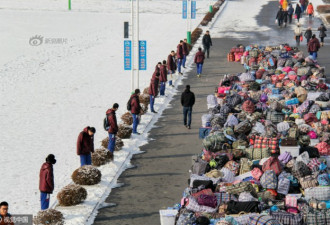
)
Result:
{"points": [[142, 55], [193, 9], [128, 55], [184, 9]]}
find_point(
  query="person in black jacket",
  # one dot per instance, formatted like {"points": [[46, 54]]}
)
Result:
{"points": [[308, 34], [187, 101], [298, 11], [207, 43], [279, 17]]}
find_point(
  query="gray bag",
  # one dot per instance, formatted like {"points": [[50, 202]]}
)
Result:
{"points": [[199, 167]]}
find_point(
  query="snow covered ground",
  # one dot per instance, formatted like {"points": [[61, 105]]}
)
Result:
{"points": [[50, 92]]}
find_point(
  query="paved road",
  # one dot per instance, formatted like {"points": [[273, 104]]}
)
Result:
{"points": [[162, 172]]}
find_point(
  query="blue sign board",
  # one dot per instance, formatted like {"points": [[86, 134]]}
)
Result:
{"points": [[127, 55], [193, 9], [142, 55], [184, 9]]}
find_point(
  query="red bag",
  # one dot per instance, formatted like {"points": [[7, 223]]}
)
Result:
{"points": [[272, 164], [248, 106], [264, 142], [202, 192], [256, 173], [323, 147], [310, 117], [301, 38]]}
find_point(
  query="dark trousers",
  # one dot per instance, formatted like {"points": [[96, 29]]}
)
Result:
{"points": [[187, 113], [162, 88], [207, 50], [290, 18], [298, 40]]}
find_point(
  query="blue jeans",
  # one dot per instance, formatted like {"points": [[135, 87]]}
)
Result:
{"points": [[314, 54], [184, 60], [152, 101], [170, 72], [199, 68], [44, 199], [162, 88], [86, 159], [187, 112], [179, 65], [135, 122], [112, 142]]}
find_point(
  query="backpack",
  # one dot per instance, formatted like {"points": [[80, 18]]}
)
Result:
{"points": [[129, 105], [106, 124]]}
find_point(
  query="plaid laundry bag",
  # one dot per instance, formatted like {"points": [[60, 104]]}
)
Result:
{"points": [[263, 220], [224, 197], [291, 201], [193, 205], [285, 157], [283, 186], [288, 218], [228, 175], [272, 164], [318, 217], [321, 193], [269, 180], [308, 181]]}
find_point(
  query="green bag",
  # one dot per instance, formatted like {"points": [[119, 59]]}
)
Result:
{"points": [[257, 153], [236, 189]]}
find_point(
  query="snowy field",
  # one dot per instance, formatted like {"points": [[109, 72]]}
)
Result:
{"points": [[50, 92]]}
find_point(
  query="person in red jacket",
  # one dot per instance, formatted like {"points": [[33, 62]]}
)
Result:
{"points": [[185, 52], [179, 56], [163, 78], [46, 181], [135, 109], [199, 60], [85, 145], [313, 46], [171, 67], [310, 10], [113, 127], [153, 91]]}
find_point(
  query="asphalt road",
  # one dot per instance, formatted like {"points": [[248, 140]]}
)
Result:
{"points": [[162, 172]]}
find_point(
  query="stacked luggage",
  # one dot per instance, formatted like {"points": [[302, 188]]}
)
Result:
{"points": [[266, 154]]}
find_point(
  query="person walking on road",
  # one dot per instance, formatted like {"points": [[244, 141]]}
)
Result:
{"points": [[313, 46], [187, 101], [163, 78], [298, 34], [179, 56], [153, 91], [171, 67], [290, 13], [298, 12], [113, 127], [199, 60], [303, 5], [207, 43], [285, 17], [5, 217], [135, 109], [322, 34], [285, 5], [46, 181], [308, 34], [279, 16], [185, 52], [310, 10], [85, 145]]}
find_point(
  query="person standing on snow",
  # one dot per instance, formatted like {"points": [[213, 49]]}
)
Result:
{"points": [[171, 67], [113, 127], [85, 145], [187, 101], [163, 78], [199, 60], [290, 13], [308, 34], [135, 109], [207, 43], [185, 52], [322, 34], [5, 217], [298, 34], [298, 12], [310, 10], [179, 56], [153, 91], [46, 181], [313, 46]]}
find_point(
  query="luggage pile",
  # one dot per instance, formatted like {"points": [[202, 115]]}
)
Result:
{"points": [[266, 145]]}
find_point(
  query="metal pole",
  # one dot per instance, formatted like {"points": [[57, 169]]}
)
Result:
{"points": [[69, 4], [137, 41], [132, 35]]}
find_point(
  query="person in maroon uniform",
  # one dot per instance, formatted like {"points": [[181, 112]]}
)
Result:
{"points": [[46, 181], [179, 56], [153, 91], [171, 67], [163, 78], [135, 109], [113, 127], [85, 145], [199, 60], [185, 52]]}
